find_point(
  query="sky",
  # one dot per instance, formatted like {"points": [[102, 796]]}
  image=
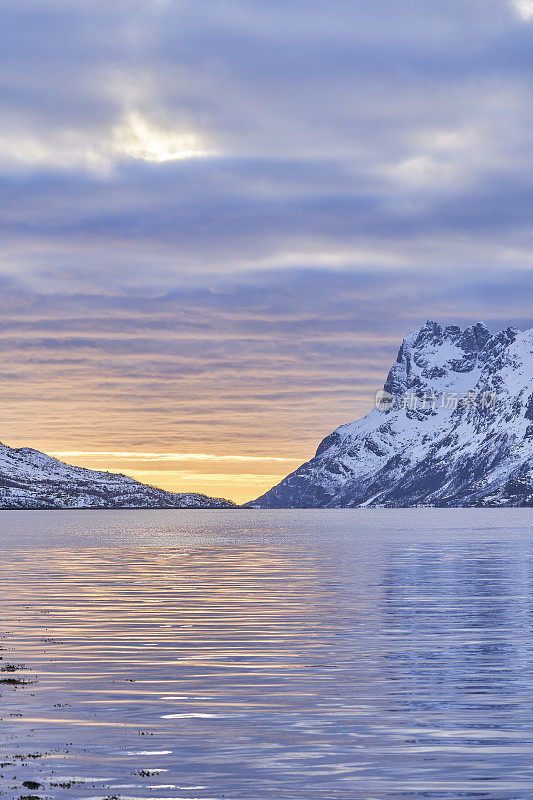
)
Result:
{"points": [[220, 218]]}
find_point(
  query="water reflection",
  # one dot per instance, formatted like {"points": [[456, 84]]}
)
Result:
{"points": [[333, 657], [461, 660]]}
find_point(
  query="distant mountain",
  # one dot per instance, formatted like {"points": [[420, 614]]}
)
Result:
{"points": [[30, 479], [454, 427]]}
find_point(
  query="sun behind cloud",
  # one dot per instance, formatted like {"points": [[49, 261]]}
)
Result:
{"points": [[138, 138], [133, 136]]}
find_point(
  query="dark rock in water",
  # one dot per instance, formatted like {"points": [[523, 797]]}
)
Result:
{"points": [[455, 429]]}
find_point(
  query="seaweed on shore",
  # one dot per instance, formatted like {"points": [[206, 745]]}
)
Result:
{"points": [[14, 682]]}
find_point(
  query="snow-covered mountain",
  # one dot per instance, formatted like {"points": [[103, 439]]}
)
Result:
{"points": [[30, 479], [454, 427]]}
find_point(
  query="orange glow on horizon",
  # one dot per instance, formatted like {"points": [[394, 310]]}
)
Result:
{"points": [[233, 483]]}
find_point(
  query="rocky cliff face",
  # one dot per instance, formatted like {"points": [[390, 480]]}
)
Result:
{"points": [[454, 427], [30, 479]]}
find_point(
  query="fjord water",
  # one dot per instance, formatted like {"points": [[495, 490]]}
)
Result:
{"points": [[264, 654]]}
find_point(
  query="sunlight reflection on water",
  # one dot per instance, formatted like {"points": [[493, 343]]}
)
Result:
{"points": [[359, 654]]}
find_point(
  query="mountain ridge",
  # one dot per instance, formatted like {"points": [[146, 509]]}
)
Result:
{"points": [[30, 479], [453, 427]]}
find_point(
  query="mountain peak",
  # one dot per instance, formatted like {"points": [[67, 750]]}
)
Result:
{"points": [[429, 332]]}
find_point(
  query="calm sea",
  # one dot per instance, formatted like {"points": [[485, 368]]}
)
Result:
{"points": [[349, 655]]}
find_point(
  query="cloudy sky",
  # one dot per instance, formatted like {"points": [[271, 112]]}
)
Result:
{"points": [[220, 217]]}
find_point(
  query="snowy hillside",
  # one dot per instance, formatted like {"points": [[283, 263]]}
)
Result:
{"points": [[30, 479], [454, 427]]}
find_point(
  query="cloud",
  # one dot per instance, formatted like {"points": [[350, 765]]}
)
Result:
{"points": [[524, 9], [159, 141], [130, 456]]}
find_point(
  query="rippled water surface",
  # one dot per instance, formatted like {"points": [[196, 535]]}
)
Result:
{"points": [[246, 654]]}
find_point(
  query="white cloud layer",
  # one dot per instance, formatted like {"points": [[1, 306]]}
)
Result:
{"points": [[524, 8]]}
